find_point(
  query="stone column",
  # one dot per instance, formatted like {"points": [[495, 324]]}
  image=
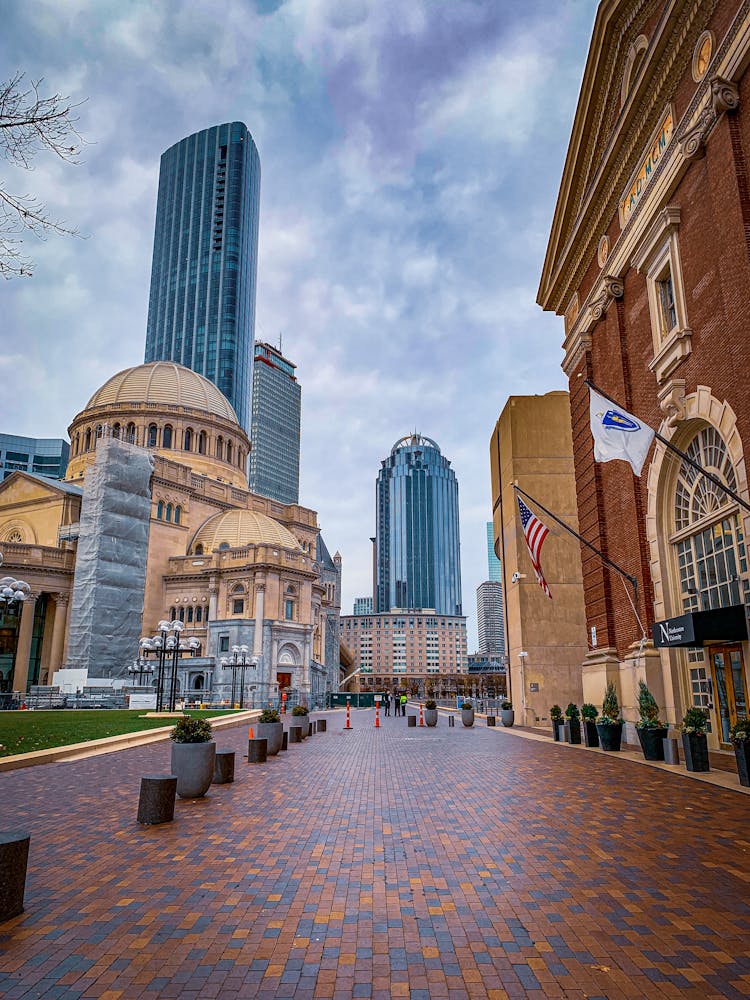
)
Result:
{"points": [[58, 634], [23, 650], [260, 596], [213, 599]]}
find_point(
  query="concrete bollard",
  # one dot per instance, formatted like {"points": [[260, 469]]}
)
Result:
{"points": [[490, 720], [257, 751], [285, 740], [312, 728], [671, 751], [14, 857], [451, 720], [223, 767], [295, 734], [411, 721], [157, 798], [322, 725]]}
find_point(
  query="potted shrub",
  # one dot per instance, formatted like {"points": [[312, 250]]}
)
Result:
{"points": [[507, 715], [300, 713], [467, 713], [555, 713], [572, 724], [740, 737], [270, 728], [589, 714], [609, 723], [694, 740], [651, 731], [430, 712], [193, 754]]}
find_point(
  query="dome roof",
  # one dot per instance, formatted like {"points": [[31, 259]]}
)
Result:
{"points": [[236, 528], [164, 382]]}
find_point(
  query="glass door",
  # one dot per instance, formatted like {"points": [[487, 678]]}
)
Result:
{"points": [[730, 688]]}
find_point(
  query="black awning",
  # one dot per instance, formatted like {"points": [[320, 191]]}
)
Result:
{"points": [[699, 627]]}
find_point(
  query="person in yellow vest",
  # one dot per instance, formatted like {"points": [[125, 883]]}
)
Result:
{"points": [[403, 704]]}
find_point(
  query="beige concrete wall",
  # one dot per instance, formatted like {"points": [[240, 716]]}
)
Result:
{"points": [[532, 447]]}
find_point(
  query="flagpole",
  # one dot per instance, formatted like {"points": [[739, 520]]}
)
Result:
{"points": [[581, 539], [678, 451]]}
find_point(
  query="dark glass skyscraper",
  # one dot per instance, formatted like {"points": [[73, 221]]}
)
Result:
{"points": [[418, 562], [275, 428], [201, 310]]}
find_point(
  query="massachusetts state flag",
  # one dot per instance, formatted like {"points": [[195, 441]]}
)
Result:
{"points": [[534, 533], [617, 433]]}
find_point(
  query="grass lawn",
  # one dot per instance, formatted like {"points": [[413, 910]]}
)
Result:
{"points": [[22, 732]]}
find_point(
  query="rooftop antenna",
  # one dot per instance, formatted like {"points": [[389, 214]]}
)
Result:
{"points": [[280, 341]]}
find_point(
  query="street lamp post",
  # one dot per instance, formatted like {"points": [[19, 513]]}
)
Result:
{"points": [[142, 668], [12, 594], [238, 661]]}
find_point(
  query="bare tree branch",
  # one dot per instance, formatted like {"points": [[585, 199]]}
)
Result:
{"points": [[29, 123]]}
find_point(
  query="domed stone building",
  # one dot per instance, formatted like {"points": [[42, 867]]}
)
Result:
{"points": [[197, 546]]}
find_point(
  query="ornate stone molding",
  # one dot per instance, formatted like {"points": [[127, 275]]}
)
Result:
{"points": [[672, 401], [724, 96]]}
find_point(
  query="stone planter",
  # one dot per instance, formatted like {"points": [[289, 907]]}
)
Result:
{"points": [[695, 748], [193, 763], [558, 730], [610, 735], [590, 735], [272, 733], [507, 717], [304, 722], [742, 753], [430, 717], [652, 742], [467, 717], [573, 731]]}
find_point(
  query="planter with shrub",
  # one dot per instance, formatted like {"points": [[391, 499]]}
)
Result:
{"points": [[300, 713], [271, 729], [651, 731], [589, 715], [694, 739], [740, 737], [572, 724], [430, 713], [467, 713], [609, 723], [193, 756], [507, 715], [558, 723]]}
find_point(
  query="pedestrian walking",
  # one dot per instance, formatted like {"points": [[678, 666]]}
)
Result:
{"points": [[403, 704], [387, 703]]}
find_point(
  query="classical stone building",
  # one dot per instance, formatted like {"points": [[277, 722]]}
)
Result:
{"points": [[236, 568], [531, 447], [649, 264]]}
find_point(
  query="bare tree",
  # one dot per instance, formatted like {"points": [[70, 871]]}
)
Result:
{"points": [[28, 124]]}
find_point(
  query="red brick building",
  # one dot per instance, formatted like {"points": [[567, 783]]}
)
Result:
{"points": [[649, 263]]}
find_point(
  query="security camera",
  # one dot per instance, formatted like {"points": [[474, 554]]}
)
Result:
{"points": [[517, 576]]}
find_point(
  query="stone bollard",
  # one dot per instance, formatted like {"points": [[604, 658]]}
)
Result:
{"points": [[285, 740], [671, 751], [411, 721], [156, 801], [451, 720], [322, 724], [295, 734], [490, 720], [223, 767], [257, 751], [311, 730], [14, 857]]}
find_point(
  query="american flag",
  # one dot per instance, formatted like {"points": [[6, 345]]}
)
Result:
{"points": [[534, 532]]}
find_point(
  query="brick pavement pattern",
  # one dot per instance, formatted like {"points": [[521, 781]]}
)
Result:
{"points": [[382, 863]]}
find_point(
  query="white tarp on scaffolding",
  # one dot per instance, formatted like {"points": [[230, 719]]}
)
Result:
{"points": [[110, 575]]}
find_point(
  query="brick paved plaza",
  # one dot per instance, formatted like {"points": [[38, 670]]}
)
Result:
{"points": [[390, 863]]}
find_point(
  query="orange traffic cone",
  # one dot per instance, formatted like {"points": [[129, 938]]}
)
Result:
{"points": [[421, 717], [250, 733], [348, 725], [377, 715]]}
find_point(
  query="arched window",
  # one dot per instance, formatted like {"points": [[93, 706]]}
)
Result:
{"points": [[199, 614], [220, 447], [76, 441], [99, 431], [190, 616], [169, 512], [202, 442], [166, 436], [172, 614], [229, 452], [160, 511], [116, 430], [188, 446], [153, 434], [130, 434], [182, 614], [177, 514], [198, 549], [241, 458], [87, 440], [223, 546]]}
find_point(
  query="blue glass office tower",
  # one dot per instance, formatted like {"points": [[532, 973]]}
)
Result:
{"points": [[273, 470], [417, 543], [201, 310], [493, 563]]}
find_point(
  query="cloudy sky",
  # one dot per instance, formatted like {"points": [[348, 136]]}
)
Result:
{"points": [[411, 153]]}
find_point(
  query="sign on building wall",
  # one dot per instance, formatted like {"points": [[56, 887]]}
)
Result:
{"points": [[648, 165]]}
